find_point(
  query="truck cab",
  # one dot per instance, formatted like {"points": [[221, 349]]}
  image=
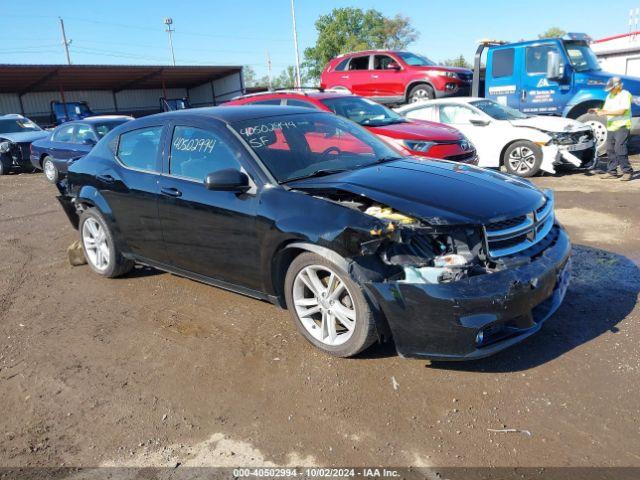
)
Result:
{"points": [[62, 112], [554, 76]]}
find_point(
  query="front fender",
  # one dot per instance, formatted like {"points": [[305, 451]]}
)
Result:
{"points": [[583, 96]]}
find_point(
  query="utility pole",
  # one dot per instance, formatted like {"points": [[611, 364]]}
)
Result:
{"points": [[295, 45], [269, 70], [64, 40], [168, 22]]}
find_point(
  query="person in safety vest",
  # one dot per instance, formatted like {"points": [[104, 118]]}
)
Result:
{"points": [[617, 109]]}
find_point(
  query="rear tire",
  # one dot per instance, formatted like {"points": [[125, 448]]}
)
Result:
{"points": [[99, 246], [51, 173], [421, 93], [342, 323], [3, 170], [599, 126], [522, 158]]}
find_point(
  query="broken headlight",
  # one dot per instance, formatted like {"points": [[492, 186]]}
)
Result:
{"points": [[5, 147]]}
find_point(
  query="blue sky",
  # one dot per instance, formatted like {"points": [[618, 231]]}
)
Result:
{"points": [[241, 32]]}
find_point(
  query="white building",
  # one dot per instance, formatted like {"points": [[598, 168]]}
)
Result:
{"points": [[619, 54]]}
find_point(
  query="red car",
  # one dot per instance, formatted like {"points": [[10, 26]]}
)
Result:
{"points": [[413, 137], [395, 77]]}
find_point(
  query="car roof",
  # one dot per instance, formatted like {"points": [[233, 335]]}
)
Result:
{"points": [[9, 116], [233, 113], [318, 95], [438, 101], [102, 118]]}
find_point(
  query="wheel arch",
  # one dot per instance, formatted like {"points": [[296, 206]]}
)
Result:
{"points": [[583, 107], [415, 83]]}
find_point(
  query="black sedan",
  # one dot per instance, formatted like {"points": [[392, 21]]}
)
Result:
{"points": [[71, 140], [310, 211], [16, 134]]}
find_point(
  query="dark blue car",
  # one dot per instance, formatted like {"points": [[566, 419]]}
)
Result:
{"points": [[71, 140]]}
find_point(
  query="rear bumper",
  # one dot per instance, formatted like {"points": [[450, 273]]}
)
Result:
{"points": [[443, 321]]}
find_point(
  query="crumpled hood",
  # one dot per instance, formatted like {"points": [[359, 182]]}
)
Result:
{"points": [[437, 192], [24, 137], [550, 124]]}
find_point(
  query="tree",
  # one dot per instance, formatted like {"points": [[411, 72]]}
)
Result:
{"points": [[553, 32], [249, 76], [349, 29], [458, 61]]}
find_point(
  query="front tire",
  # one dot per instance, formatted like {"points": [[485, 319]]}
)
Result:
{"points": [[421, 93], [329, 309], [3, 169], [51, 173], [599, 126], [522, 158], [99, 246]]}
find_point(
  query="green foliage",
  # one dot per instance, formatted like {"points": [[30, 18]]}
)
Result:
{"points": [[351, 29], [458, 61], [553, 32]]}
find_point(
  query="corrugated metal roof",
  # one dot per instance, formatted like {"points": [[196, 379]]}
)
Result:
{"points": [[40, 78]]}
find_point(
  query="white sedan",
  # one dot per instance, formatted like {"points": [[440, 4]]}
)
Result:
{"points": [[524, 144]]}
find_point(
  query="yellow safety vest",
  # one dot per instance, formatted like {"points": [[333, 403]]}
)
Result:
{"points": [[621, 101]]}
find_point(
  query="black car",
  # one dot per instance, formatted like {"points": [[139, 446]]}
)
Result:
{"points": [[310, 211], [16, 134]]}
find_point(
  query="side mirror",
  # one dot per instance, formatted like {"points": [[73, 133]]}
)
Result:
{"points": [[227, 180], [89, 141], [393, 66], [479, 122], [555, 67]]}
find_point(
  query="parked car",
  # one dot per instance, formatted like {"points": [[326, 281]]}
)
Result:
{"points": [[395, 77], [524, 144], [551, 76], [450, 260], [71, 140], [16, 134], [412, 137]]}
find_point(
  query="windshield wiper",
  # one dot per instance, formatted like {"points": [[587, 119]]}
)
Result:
{"points": [[317, 173]]}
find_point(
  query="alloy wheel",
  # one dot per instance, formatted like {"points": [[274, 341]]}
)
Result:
{"points": [[522, 160], [94, 239], [324, 305], [599, 131], [419, 95]]}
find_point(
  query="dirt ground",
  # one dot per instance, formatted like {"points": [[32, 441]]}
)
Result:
{"points": [[157, 370]]}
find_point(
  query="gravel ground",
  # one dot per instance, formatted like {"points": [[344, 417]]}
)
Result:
{"points": [[156, 370]]}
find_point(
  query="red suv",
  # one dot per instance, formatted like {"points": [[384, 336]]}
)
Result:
{"points": [[413, 137], [395, 77]]}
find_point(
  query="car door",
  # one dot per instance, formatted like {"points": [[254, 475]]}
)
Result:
{"points": [[130, 186], [539, 94], [386, 82], [210, 233], [358, 76], [502, 77], [62, 146], [459, 117]]}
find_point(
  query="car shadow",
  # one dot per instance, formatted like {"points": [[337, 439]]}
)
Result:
{"points": [[141, 271], [603, 291]]}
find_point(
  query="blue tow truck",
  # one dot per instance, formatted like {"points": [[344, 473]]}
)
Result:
{"points": [[554, 76]]}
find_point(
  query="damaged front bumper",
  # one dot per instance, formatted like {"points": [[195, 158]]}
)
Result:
{"points": [[477, 316]]}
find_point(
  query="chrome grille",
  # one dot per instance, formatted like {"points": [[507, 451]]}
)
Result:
{"points": [[519, 233]]}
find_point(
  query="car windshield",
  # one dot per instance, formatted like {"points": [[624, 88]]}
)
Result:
{"points": [[497, 111], [362, 111], [581, 57], [416, 60], [16, 125], [103, 128], [307, 145]]}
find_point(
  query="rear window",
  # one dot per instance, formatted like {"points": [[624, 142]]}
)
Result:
{"points": [[139, 148], [64, 133], [502, 63], [342, 65], [273, 101]]}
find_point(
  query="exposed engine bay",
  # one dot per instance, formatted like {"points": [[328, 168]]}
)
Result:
{"points": [[408, 251]]}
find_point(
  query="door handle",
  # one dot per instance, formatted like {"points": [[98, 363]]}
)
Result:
{"points": [[105, 178], [374, 76], [523, 95], [171, 192], [344, 76]]}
